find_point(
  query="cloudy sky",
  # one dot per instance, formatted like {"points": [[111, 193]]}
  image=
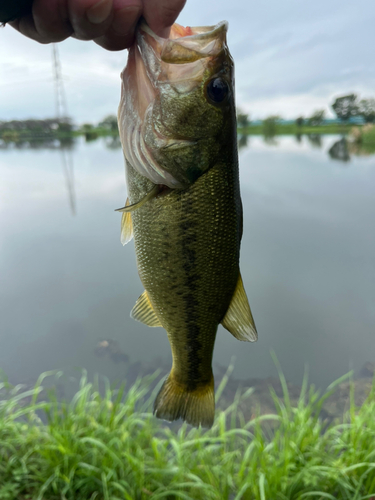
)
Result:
{"points": [[292, 57]]}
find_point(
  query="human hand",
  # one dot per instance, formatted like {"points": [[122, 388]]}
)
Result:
{"points": [[110, 23]]}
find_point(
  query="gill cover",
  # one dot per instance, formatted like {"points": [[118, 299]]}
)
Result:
{"points": [[168, 124]]}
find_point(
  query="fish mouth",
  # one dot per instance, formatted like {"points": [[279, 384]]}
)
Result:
{"points": [[184, 56], [179, 61], [185, 44]]}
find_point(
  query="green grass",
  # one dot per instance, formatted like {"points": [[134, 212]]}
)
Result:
{"points": [[278, 129], [110, 447], [368, 140], [292, 129]]}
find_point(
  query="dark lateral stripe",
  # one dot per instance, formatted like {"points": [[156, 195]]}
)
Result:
{"points": [[188, 239]]}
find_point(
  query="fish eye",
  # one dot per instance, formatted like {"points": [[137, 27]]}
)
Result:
{"points": [[217, 90]]}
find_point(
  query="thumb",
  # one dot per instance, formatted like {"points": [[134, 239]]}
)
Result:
{"points": [[161, 14]]}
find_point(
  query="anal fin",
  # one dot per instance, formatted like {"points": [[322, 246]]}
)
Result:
{"points": [[144, 312], [238, 319], [126, 226]]}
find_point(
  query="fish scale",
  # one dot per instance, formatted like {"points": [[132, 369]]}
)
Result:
{"points": [[187, 244], [184, 206]]}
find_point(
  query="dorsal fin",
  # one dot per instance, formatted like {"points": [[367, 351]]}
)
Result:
{"points": [[144, 312], [238, 319], [126, 226]]}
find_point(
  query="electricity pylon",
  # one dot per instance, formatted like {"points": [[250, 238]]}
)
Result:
{"points": [[60, 98]]}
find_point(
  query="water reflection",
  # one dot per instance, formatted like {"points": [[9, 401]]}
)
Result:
{"points": [[111, 348], [243, 141], [68, 170], [315, 140], [270, 140], [64, 145], [307, 261], [35, 142], [112, 142], [339, 150], [343, 150]]}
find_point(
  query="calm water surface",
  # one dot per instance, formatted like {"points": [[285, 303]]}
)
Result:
{"points": [[308, 263]]}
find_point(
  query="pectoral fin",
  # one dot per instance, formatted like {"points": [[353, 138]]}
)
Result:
{"points": [[144, 312], [238, 319], [130, 208], [126, 226]]}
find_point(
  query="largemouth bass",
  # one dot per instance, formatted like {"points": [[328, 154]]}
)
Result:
{"points": [[178, 130]]}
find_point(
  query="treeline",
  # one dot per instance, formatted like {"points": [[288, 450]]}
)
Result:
{"points": [[348, 106], [52, 129], [23, 130], [345, 108]]}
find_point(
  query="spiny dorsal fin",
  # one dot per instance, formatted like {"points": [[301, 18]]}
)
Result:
{"points": [[126, 226], [144, 312], [238, 320]]}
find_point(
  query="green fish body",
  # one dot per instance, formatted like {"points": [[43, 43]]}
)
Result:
{"points": [[187, 230]]}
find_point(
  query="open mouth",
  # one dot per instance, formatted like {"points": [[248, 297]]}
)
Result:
{"points": [[186, 45]]}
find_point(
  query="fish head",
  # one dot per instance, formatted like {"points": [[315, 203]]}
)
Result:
{"points": [[177, 111]]}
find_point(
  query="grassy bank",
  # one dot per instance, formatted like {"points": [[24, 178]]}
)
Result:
{"points": [[292, 129], [110, 447], [368, 139], [92, 132], [363, 139]]}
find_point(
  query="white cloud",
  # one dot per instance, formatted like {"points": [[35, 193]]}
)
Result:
{"points": [[291, 58]]}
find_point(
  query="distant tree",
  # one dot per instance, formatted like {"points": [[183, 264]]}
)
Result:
{"points": [[31, 129], [317, 117], [345, 107], [366, 108], [64, 125], [300, 121], [110, 123], [87, 127], [270, 124], [242, 119], [89, 132]]}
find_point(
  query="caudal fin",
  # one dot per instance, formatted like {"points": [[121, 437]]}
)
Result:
{"points": [[196, 407]]}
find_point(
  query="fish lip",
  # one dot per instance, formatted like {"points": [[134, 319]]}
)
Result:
{"points": [[203, 32], [205, 41]]}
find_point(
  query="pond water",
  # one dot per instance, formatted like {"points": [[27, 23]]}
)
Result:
{"points": [[308, 263]]}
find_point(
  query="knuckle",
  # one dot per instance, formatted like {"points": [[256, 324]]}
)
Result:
{"points": [[113, 42]]}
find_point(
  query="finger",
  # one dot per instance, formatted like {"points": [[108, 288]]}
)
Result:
{"points": [[55, 20], [26, 26], [161, 14], [120, 34], [51, 20], [90, 18], [48, 22]]}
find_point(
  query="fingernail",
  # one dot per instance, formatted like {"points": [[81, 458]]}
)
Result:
{"points": [[125, 19], [99, 12]]}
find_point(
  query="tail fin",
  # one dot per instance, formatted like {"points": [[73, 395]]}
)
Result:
{"points": [[196, 407]]}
